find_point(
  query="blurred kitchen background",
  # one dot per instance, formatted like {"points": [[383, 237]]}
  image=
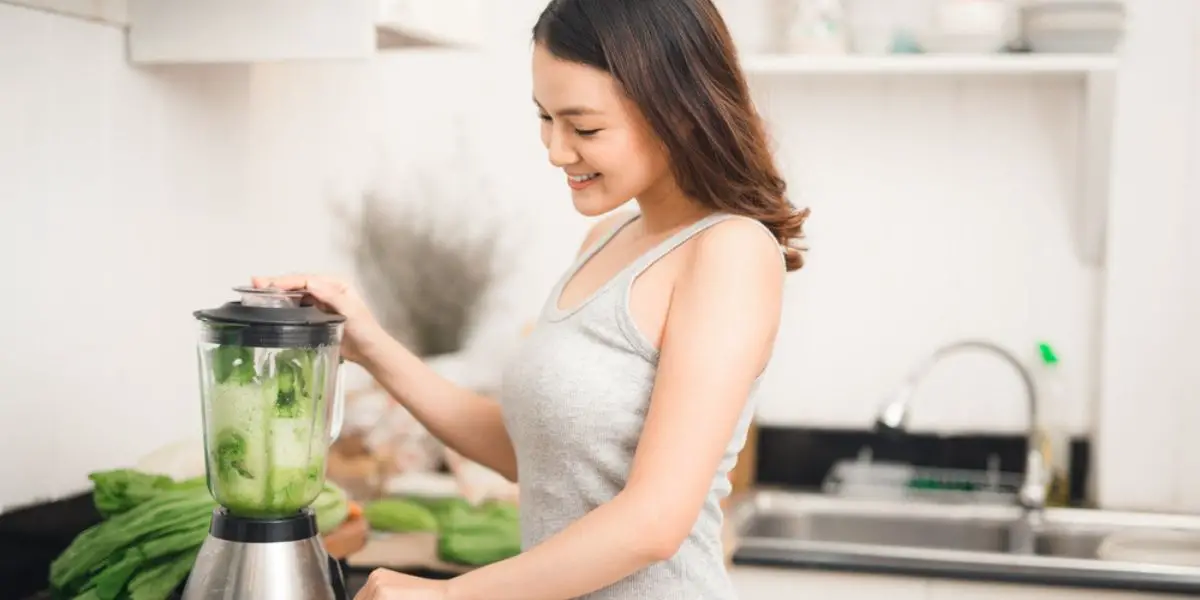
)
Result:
{"points": [[1018, 176]]}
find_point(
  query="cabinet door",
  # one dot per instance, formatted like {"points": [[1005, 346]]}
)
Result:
{"points": [[449, 23], [769, 583], [249, 31]]}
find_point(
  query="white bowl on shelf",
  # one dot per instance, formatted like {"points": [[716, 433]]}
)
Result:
{"points": [[968, 27], [975, 17]]}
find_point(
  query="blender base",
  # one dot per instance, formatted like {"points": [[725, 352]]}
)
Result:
{"points": [[264, 559]]}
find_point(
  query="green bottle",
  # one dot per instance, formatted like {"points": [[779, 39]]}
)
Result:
{"points": [[1055, 439]]}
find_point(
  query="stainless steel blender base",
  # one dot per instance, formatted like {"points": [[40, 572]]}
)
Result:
{"points": [[297, 569], [271, 571]]}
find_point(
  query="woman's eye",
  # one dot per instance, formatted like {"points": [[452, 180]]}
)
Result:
{"points": [[587, 132], [544, 117]]}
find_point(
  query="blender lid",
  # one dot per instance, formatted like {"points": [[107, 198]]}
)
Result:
{"points": [[269, 307]]}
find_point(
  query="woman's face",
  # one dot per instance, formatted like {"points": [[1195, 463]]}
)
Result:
{"points": [[595, 134]]}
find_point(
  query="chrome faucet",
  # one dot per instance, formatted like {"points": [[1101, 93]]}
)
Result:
{"points": [[893, 417]]}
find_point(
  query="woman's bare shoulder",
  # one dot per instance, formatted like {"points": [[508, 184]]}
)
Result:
{"points": [[740, 241]]}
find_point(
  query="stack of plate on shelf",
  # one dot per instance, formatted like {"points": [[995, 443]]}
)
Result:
{"points": [[1073, 26]]}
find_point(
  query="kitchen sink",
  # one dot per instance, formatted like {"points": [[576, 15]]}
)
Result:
{"points": [[960, 528], [1059, 546], [885, 530]]}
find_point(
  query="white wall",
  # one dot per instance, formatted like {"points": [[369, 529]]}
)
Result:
{"points": [[132, 197], [940, 210], [1146, 440], [119, 189]]}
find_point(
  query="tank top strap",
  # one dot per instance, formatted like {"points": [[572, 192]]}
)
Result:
{"points": [[603, 240], [666, 246]]}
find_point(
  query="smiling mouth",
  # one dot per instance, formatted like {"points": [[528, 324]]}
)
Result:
{"points": [[580, 182]]}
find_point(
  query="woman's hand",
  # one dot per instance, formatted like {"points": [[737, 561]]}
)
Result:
{"points": [[390, 585], [362, 331]]}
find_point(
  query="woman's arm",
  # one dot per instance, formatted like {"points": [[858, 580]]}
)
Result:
{"points": [[463, 420], [719, 334], [469, 423]]}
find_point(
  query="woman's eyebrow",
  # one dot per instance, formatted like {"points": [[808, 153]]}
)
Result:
{"points": [[570, 111]]}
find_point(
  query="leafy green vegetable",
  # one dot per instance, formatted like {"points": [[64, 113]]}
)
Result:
{"points": [[96, 549], [467, 534], [296, 382], [398, 515], [231, 455], [479, 535], [158, 581], [150, 538], [233, 364], [118, 491]]}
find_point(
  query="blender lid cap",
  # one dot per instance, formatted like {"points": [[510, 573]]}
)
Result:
{"points": [[269, 306]]}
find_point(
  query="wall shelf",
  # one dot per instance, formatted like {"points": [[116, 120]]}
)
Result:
{"points": [[1096, 75], [251, 31], [930, 64]]}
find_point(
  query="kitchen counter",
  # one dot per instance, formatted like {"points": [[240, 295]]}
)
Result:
{"points": [[952, 543], [404, 552], [416, 553]]}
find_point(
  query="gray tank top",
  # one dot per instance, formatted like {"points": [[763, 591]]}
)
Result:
{"points": [[574, 400]]}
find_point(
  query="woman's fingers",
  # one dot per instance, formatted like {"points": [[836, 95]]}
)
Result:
{"points": [[286, 282], [328, 292]]}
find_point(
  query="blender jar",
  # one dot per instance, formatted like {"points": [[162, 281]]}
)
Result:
{"points": [[270, 385]]}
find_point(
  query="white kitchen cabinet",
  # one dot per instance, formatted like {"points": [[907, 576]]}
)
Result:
{"points": [[164, 32], [769, 583], [241, 31], [112, 12], [443, 23]]}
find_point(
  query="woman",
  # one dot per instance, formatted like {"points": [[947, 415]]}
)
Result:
{"points": [[625, 411]]}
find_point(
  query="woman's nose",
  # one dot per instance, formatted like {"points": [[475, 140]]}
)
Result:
{"points": [[561, 153]]}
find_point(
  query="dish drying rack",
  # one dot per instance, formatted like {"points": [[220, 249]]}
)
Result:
{"points": [[866, 479]]}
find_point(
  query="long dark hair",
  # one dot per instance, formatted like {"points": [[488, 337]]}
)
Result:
{"points": [[676, 61]]}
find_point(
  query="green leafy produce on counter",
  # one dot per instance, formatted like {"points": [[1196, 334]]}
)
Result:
{"points": [[152, 530], [399, 515], [467, 534], [479, 535], [119, 490], [162, 528]]}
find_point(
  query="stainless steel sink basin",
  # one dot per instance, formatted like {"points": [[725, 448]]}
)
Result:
{"points": [[980, 535], [960, 528], [956, 540]]}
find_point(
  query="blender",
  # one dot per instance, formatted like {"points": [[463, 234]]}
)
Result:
{"points": [[270, 382]]}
